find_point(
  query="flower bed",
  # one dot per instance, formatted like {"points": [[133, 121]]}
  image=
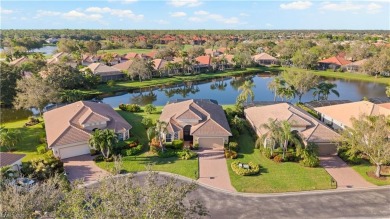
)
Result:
{"points": [[252, 168]]}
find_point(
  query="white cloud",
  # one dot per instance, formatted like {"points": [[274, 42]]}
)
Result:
{"points": [[244, 15], [178, 14], [43, 13], [80, 15], [205, 16], [298, 5], [162, 22], [351, 6], [115, 12], [6, 11], [269, 25], [182, 3]]}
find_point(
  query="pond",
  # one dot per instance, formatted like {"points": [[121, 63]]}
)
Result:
{"points": [[49, 50], [225, 91]]}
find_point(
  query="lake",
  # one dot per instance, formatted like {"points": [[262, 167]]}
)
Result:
{"points": [[225, 91], [49, 50]]}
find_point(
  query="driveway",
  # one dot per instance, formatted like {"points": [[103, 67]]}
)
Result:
{"points": [[213, 169], [345, 176], [83, 167]]}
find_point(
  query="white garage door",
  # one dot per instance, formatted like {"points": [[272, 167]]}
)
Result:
{"points": [[211, 143], [73, 151]]}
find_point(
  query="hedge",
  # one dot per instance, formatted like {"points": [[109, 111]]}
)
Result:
{"points": [[132, 151], [253, 169]]}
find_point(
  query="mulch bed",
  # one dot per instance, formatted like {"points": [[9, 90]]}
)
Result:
{"points": [[385, 171]]}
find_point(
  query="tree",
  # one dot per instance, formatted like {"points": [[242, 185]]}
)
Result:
{"points": [[275, 85], [108, 57], [161, 129], [150, 108], [323, 89], [9, 138], [306, 59], [103, 141], [34, 93], [369, 135], [243, 59], [8, 77], [63, 76], [92, 46], [247, 91], [70, 96], [300, 82], [141, 68]]}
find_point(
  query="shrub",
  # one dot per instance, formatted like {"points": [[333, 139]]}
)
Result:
{"points": [[166, 153], [233, 146], [186, 154], [278, 158], [230, 154], [98, 158], [111, 83], [253, 169], [43, 125], [195, 146], [177, 144], [132, 151], [154, 149], [349, 156], [235, 133], [92, 152], [267, 153], [150, 108], [310, 160], [147, 122], [134, 108], [155, 142], [41, 149], [32, 121], [42, 168]]}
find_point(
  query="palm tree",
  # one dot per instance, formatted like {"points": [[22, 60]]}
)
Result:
{"points": [[275, 85], [286, 93], [246, 91], [103, 141], [323, 89], [161, 129], [272, 135], [9, 138]]}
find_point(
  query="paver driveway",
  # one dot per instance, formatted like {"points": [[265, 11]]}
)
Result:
{"points": [[83, 167], [345, 176], [213, 169]]}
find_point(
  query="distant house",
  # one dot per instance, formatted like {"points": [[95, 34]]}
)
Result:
{"points": [[199, 121], [339, 115], [69, 128], [355, 66], [264, 59], [51, 40], [131, 55], [203, 62], [309, 128], [62, 57], [334, 62], [167, 39], [18, 62], [159, 65], [11, 159], [105, 72], [89, 59], [115, 60], [151, 54], [198, 40]]}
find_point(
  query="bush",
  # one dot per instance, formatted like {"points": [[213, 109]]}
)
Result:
{"points": [[233, 146], [230, 154], [278, 158], [267, 153], [349, 156], [186, 154], [42, 168], [155, 142], [177, 144], [93, 152], [147, 122], [150, 108], [111, 83], [134, 108], [195, 146], [132, 151], [235, 133], [41, 149], [32, 121], [98, 158], [253, 169], [310, 160], [166, 153]]}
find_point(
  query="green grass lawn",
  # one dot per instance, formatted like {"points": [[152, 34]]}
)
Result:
{"points": [[275, 177], [140, 162], [124, 51], [364, 168], [30, 138]]}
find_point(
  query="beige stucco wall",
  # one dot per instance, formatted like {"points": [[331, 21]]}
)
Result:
{"points": [[196, 138]]}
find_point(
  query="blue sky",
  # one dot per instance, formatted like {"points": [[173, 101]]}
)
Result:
{"points": [[195, 14]]}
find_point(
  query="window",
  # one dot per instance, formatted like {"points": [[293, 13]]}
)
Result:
{"points": [[120, 136], [168, 137], [176, 135]]}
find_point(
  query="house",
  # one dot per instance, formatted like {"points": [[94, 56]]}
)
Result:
{"points": [[11, 159], [334, 62], [89, 59], [69, 128], [105, 72], [200, 121], [339, 116], [203, 62], [124, 66], [62, 57], [131, 55], [264, 59], [151, 54], [309, 128], [51, 40], [355, 66], [159, 65], [115, 59], [18, 62]]}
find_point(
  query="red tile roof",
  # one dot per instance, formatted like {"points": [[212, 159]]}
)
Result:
{"points": [[203, 60], [338, 60]]}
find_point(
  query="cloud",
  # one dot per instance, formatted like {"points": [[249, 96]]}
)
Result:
{"points": [[205, 16], [298, 5], [178, 14], [163, 22], [43, 13], [115, 12], [6, 11], [269, 25], [371, 8], [186, 3], [80, 15]]}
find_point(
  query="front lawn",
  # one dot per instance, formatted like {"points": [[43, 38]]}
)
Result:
{"points": [[140, 162], [366, 167], [275, 177], [29, 140]]}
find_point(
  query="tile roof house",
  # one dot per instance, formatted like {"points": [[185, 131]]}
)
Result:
{"points": [[62, 57], [89, 59], [159, 65], [309, 128], [123, 66], [334, 62], [68, 128], [105, 72], [11, 159], [204, 62], [199, 121], [339, 116], [355, 66], [131, 55], [264, 59]]}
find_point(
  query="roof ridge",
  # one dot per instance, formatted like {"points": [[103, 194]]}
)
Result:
{"points": [[315, 128]]}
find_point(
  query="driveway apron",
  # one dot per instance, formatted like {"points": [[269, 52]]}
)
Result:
{"points": [[83, 167]]}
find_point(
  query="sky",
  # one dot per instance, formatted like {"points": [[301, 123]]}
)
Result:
{"points": [[195, 14]]}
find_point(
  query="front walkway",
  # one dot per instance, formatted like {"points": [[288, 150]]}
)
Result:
{"points": [[213, 169], [345, 176], [83, 167]]}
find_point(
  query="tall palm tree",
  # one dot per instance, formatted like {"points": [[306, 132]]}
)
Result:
{"points": [[275, 85], [103, 141], [286, 93], [272, 135], [246, 91], [161, 129], [323, 89]]}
